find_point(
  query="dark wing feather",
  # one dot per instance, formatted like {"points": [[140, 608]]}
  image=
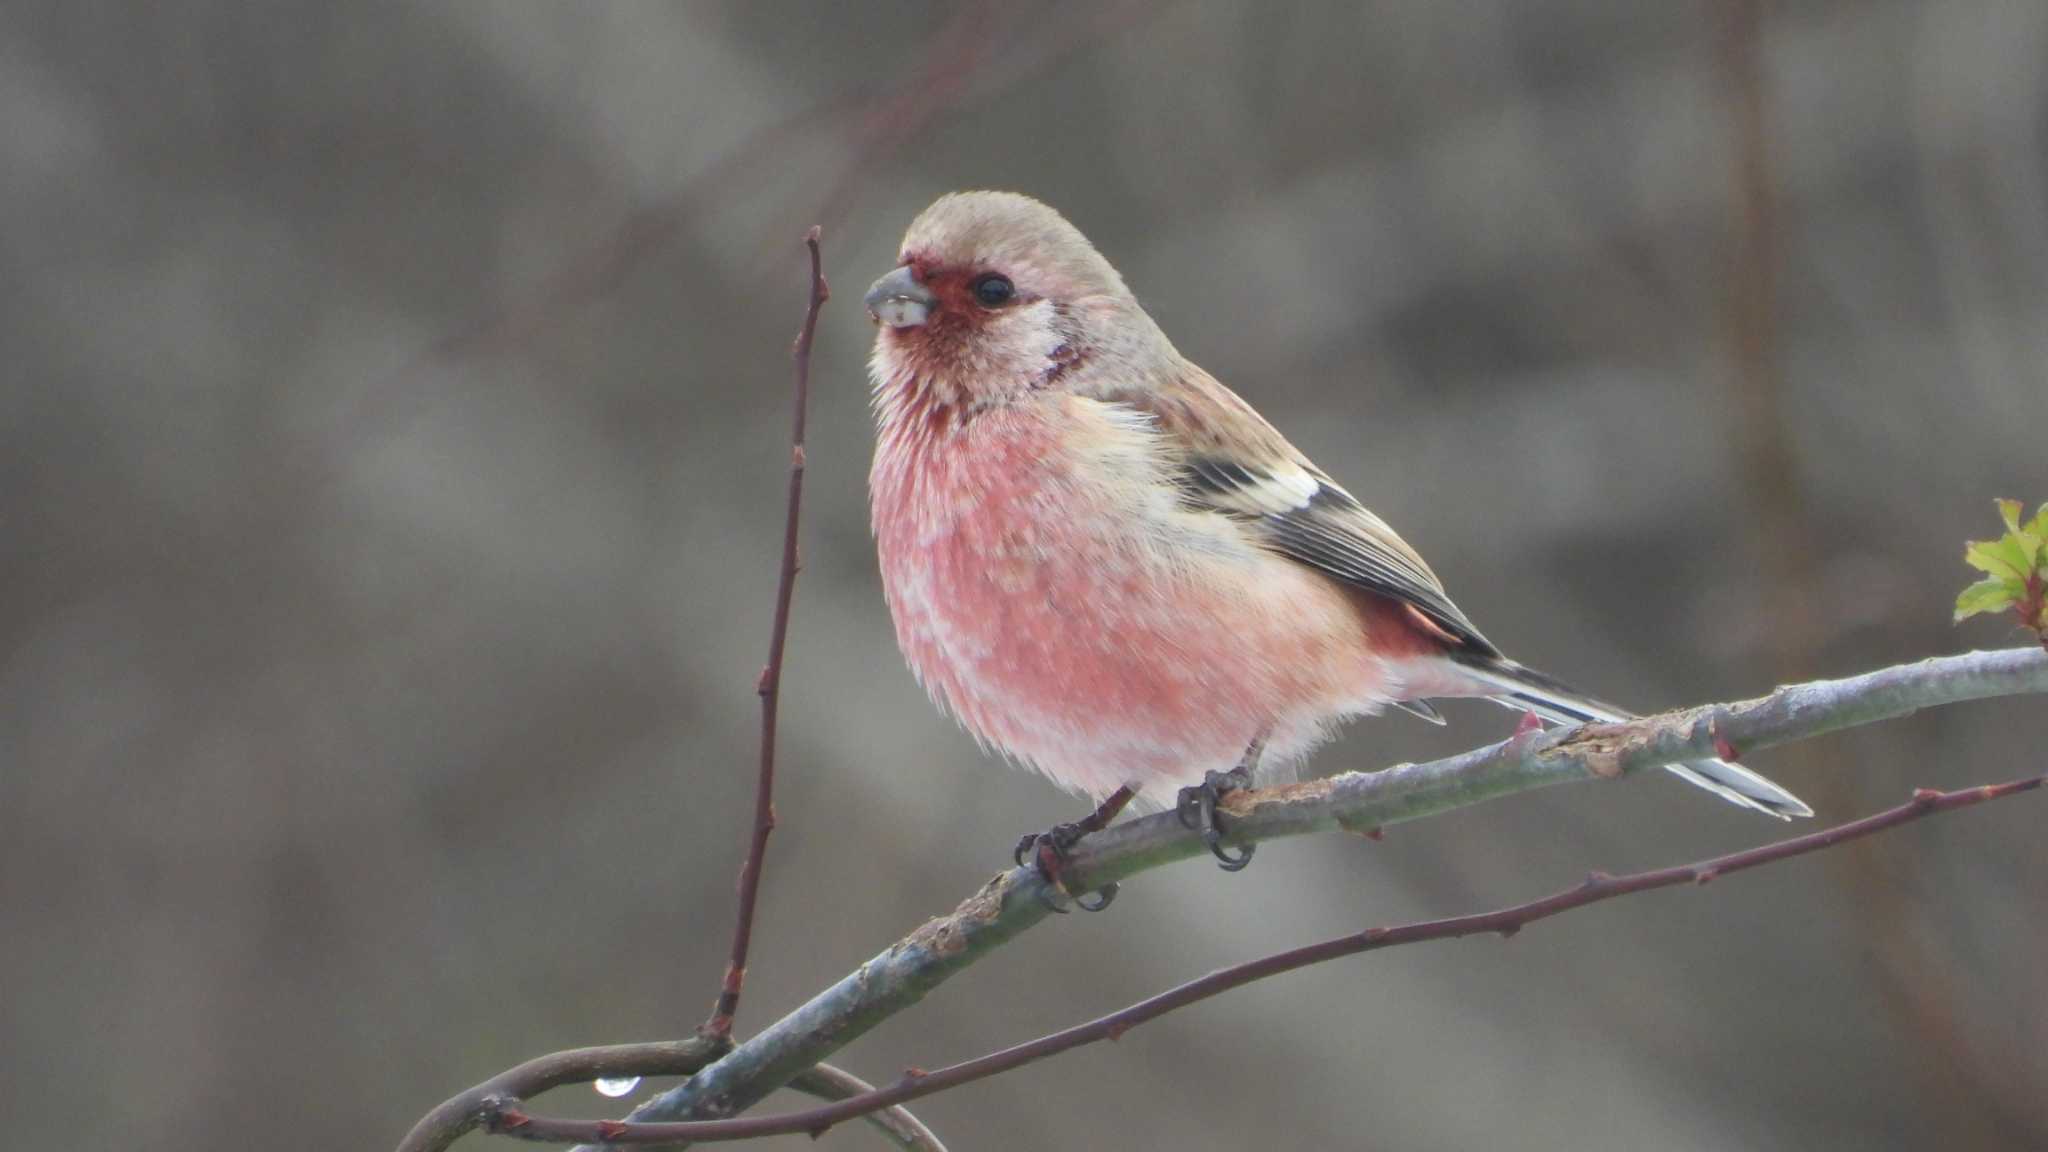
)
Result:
{"points": [[1329, 530], [1232, 462]]}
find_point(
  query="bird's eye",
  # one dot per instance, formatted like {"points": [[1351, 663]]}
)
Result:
{"points": [[994, 290]]}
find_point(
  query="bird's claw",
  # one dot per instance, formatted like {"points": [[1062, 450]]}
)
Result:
{"points": [[1103, 896], [1027, 847], [1196, 807], [1048, 851]]}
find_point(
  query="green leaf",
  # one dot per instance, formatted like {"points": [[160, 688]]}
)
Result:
{"points": [[2015, 566], [2030, 547], [1992, 595], [2001, 557]]}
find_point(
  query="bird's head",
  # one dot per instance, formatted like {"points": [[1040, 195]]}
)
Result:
{"points": [[995, 296]]}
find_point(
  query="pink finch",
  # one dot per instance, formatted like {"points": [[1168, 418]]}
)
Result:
{"points": [[1108, 566]]}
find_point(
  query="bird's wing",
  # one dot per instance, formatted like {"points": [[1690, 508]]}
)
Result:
{"points": [[1229, 460]]}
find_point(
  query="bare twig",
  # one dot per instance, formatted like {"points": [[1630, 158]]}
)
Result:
{"points": [[770, 684], [1015, 901], [1505, 922], [904, 1130], [463, 1112]]}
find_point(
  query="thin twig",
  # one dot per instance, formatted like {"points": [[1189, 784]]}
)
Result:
{"points": [[460, 1113], [770, 685], [895, 1122], [464, 1112], [1015, 901], [1505, 922]]}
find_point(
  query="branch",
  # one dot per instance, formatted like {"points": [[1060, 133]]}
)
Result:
{"points": [[459, 1114], [904, 1130], [1360, 802], [463, 1112], [1505, 922], [770, 684]]}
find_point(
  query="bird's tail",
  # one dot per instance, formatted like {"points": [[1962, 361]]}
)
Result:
{"points": [[1528, 690]]}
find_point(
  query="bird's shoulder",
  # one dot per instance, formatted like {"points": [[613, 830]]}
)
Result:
{"points": [[1229, 460]]}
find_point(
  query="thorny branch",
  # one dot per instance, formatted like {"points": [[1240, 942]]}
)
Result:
{"points": [[770, 687], [1360, 802], [1506, 922]]}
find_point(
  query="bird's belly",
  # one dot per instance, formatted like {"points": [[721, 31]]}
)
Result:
{"points": [[1071, 634]]}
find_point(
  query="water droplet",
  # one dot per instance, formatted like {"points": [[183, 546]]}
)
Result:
{"points": [[615, 1085]]}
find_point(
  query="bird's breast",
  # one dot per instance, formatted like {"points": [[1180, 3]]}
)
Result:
{"points": [[1049, 593], [998, 542]]}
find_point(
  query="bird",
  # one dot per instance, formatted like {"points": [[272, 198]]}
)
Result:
{"points": [[1110, 568]]}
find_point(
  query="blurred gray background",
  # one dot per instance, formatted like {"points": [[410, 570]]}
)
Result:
{"points": [[392, 451]]}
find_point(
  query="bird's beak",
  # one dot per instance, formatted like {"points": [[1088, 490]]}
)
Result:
{"points": [[899, 301]]}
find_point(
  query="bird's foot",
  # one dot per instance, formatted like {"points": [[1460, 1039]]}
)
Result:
{"points": [[1049, 850], [1197, 810]]}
